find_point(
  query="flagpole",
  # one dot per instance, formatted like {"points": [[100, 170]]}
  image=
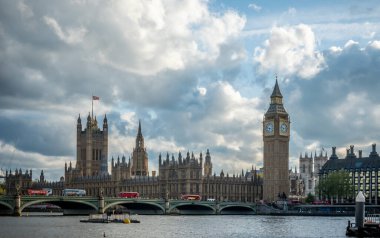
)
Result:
{"points": [[92, 106]]}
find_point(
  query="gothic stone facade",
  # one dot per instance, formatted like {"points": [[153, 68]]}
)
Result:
{"points": [[22, 181], [139, 156], [296, 184], [189, 175], [92, 151], [309, 170], [92, 148], [18, 182], [276, 134], [184, 176]]}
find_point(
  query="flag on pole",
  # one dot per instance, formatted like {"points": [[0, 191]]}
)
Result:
{"points": [[92, 105]]}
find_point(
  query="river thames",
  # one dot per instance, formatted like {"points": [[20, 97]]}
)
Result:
{"points": [[177, 226]]}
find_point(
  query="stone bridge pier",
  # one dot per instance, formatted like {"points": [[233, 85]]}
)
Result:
{"points": [[101, 204], [167, 206], [217, 208], [17, 207]]}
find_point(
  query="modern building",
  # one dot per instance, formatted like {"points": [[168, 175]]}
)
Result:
{"points": [[364, 172], [309, 170], [276, 135]]}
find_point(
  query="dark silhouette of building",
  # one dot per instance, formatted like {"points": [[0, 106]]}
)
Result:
{"points": [[17, 182], [139, 156]]}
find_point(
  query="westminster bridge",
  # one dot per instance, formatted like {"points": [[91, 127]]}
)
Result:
{"points": [[71, 205]]}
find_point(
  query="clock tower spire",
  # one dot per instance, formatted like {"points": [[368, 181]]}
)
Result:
{"points": [[276, 135]]}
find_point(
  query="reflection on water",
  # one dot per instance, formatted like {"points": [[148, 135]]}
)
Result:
{"points": [[40, 225]]}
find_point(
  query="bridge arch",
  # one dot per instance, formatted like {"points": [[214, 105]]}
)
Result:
{"points": [[135, 204], [7, 205], [187, 207], [61, 203], [237, 209]]}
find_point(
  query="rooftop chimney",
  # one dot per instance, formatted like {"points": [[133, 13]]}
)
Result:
{"points": [[334, 156], [373, 153]]}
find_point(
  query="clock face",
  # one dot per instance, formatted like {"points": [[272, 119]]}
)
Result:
{"points": [[284, 127], [269, 127]]}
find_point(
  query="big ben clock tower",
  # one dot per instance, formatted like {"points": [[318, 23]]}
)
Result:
{"points": [[276, 133]]}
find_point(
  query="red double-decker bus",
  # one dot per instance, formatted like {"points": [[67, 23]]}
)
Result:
{"points": [[191, 197], [129, 194], [37, 192]]}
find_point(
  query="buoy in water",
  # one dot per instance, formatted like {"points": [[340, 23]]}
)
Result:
{"points": [[126, 221]]}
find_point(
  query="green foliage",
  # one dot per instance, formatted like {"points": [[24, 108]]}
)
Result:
{"points": [[335, 185], [310, 198], [2, 189]]}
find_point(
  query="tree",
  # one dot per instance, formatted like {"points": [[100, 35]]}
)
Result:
{"points": [[2, 188], [310, 198], [335, 185]]}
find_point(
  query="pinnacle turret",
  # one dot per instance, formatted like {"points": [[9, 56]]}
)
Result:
{"points": [[276, 106], [105, 119], [139, 131], [276, 91]]}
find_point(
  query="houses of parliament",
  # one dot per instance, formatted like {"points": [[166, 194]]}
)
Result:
{"points": [[181, 174]]}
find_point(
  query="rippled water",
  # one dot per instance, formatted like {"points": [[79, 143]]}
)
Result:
{"points": [[177, 226]]}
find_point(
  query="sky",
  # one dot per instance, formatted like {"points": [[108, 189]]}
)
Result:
{"points": [[198, 74]]}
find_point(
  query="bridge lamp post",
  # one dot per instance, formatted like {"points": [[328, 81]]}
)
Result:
{"points": [[101, 201]]}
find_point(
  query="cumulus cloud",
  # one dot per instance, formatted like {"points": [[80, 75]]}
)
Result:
{"points": [[290, 51], [170, 35], [25, 10], [128, 45], [221, 120], [254, 7], [14, 158], [338, 106], [144, 59], [202, 91], [374, 44], [180, 68], [71, 36]]}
